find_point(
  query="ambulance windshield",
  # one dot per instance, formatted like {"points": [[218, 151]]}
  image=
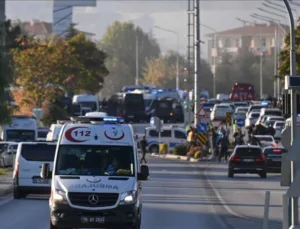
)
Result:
{"points": [[95, 160]]}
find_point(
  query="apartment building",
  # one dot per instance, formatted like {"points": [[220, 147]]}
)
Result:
{"points": [[257, 38]]}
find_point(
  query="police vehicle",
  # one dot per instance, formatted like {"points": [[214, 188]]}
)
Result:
{"points": [[96, 177]]}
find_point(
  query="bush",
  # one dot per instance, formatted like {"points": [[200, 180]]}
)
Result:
{"points": [[180, 150], [163, 148]]}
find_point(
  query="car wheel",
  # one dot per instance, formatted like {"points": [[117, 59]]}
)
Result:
{"points": [[263, 175], [230, 173], [154, 149], [17, 194]]}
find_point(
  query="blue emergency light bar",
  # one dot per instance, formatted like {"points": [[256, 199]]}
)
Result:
{"points": [[264, 103], [106, 119]]}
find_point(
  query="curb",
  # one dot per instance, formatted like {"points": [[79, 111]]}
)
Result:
{"points": [[182, 158], [6, 191]]}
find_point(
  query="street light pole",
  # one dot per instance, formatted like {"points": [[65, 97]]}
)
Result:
{"points": [[177, 57], [215, 57], [136, 60], [197, 59], [294, 201]]}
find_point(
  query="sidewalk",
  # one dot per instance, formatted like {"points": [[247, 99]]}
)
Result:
{"points": [[6, 183]]}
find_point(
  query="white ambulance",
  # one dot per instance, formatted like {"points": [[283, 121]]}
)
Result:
{"points": [[96, 178], [20, 129]]}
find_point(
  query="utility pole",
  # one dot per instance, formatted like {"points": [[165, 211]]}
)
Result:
{"points": [[293, 202], [190, 49], [136, 60], [196, 58]]}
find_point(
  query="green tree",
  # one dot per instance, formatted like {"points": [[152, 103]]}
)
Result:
{"points": [[10, 39], [119, 42], [162, 72], [284, 68], [244, 68], [89, 67], [72, 31]]}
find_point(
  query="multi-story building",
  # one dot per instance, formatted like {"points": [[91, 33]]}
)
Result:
{"points": [[63, 14], [41, 29], [256, 38]]}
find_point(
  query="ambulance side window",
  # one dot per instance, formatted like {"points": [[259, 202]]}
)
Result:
{"points": [[153, 133], [180, 134]]}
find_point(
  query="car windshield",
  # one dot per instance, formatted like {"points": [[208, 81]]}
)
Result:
{"points": [[280, 124], [255, 115], [38, 152], [95, 160], [20, 135], [91, 105]]}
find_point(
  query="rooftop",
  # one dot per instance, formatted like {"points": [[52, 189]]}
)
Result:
{"points": [[250, 30]]}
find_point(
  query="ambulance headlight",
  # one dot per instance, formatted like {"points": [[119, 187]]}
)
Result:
{"points": [[58, 196], [128, 198]]}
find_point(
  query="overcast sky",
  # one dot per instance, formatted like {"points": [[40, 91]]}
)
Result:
{"points": [[220, 15]]}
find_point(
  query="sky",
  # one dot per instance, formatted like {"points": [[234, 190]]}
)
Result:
{"points": [[219, 15]]}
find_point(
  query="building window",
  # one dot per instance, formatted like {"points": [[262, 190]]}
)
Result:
{"points": [[263, 42], [237, 42], [227, 43]]}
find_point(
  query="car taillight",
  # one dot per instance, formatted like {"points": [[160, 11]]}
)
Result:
{"points": [[233, 158], [276, 150], [16, 171], [262, 158]]}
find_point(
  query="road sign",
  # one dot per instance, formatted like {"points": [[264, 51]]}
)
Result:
{"points": [[202, 127], [240, 122], [201, 138], [228, 119], [202, 113]]}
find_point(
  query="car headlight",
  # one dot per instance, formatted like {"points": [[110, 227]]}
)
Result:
{"points": [[128, 198], [58, 196]]}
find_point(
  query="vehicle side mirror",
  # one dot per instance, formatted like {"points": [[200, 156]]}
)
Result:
{"points": [[144, 174], [45, 171]]}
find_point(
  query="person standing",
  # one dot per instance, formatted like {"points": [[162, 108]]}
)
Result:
{"points": [[144, 145], [224, 142]]}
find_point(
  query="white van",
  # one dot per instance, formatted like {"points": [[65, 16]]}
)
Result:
{"points": [[28, 163], [170, 135], [21, 129], [96, 178], [87, 101], [54, 131]]}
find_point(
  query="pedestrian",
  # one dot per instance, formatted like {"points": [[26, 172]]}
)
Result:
{"points": [[271, 130], [191, 138], [214, 141], [144, 145], [224, 142]]}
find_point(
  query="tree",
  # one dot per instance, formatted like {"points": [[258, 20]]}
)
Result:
{"points": [[284, 68], [72, 31], [244, 68], [162, 71], [119, 42], [11, 41], [47, 68], [90, 69]]}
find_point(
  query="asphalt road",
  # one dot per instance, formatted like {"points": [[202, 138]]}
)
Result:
{"points": [[178, 195], [244, 196]]}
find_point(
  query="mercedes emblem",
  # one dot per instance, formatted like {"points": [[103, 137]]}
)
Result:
{"points": [[93, 199]]}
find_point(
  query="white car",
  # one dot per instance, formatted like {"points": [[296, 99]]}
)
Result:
{"points": [[219, 111], [278, 126], [28, 163], [266, 140], [7, 152], [252, 118]]}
